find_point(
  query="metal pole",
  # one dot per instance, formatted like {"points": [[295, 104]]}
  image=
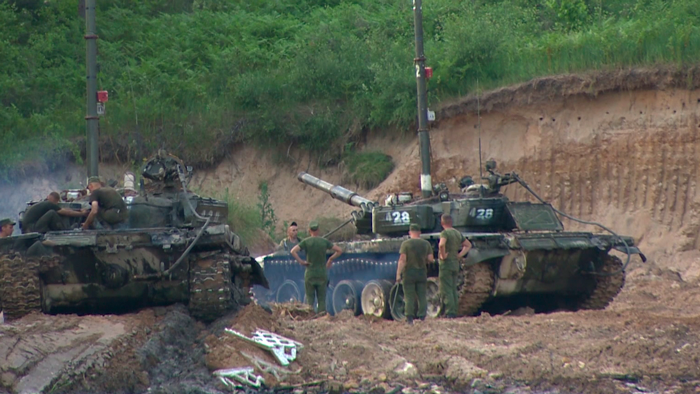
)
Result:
{"points": [[91, 69], [423, 137]]}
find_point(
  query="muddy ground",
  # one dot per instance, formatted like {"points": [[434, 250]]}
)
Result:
{"points": [[645, 341]]}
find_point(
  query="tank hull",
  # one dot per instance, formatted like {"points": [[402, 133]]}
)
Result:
{"points": [[105, 271], [566, 265]]}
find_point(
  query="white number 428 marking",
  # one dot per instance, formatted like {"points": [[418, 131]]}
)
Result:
{"points": [[397, 217], [481, 213]]}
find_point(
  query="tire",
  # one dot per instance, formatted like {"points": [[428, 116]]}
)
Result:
{"points": [[288, 292], [375, 298], [347, 294]]}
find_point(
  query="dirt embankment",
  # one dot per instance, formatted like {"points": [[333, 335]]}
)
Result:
{"points": [[622, 150]]}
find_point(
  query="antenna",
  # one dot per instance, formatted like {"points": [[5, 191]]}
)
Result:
{"points": [[478, 125]]}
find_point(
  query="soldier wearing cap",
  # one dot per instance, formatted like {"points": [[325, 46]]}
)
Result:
{"points": [[316, 275], [412, 272], [292, 239], [7, 227], [45, 216], [449, 253], [106, 205]]}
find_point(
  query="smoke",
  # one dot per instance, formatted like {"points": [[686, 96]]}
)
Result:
{"points": [[15, 195]]}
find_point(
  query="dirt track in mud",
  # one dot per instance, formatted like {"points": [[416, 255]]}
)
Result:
{"points": [[620, 149], [646, 341]]}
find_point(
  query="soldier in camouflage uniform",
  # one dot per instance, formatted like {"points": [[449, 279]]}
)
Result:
{"points": [[412, 271], [46, 215], [292, 239], [316, 275], [106, 205], [7, 227], [449, 254]]}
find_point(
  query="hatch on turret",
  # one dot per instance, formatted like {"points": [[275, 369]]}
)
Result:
{"points": [[527, 216]]}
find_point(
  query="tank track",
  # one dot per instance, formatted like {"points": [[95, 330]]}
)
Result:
{"points": [[20, 286], [607, 287], [211, 289], [474, 286]]}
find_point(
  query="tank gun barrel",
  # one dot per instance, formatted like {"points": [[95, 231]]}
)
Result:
{"points": [[337, 192]]}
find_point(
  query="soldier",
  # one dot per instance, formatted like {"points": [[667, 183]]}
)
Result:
{"points": [[106, 205], [449, 255], [412, 271], [292, 239], [316, 276], [44, 216], [7, 227]]}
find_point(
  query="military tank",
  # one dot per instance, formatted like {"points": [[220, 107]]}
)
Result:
{"points": [[520, 252], [175, 247]]}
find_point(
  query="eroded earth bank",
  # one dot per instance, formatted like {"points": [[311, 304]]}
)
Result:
{"points": [[619, 148]]}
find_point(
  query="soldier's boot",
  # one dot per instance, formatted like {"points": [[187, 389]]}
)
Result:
{"points": [[409, 320]]}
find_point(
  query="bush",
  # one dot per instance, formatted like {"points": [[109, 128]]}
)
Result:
{"points": [[367, 169]]}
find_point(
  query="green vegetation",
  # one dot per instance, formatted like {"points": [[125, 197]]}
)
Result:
{"points": [[244, 219], [251, 220], [195, 76], [268, 220], [367, 169]]}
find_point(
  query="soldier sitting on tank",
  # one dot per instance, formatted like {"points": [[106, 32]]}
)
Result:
{"points": [[7, 227], [316, 275], [292, 239], [46, 215], [496, 180], [107, 206]]}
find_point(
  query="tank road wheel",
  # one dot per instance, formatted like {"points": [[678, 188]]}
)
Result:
{"points": [[474, 288], [607, 287], [211, 290], [397, 304], [20, 286], [347, 295], [375, 298], [433, 296], [288, 292]]}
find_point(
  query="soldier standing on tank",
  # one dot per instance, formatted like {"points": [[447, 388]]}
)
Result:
{"points": [[46, 215], [292, 239], [7, 227], [449, 254], [316, 275], [106, 205], [412, 272]]}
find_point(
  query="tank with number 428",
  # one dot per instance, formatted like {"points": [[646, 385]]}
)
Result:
{"points": [[175, 247], [520, 253]]}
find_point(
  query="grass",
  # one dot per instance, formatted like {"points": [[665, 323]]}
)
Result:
{"points": [[196, 76], [367, 169], [244, 219]]}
